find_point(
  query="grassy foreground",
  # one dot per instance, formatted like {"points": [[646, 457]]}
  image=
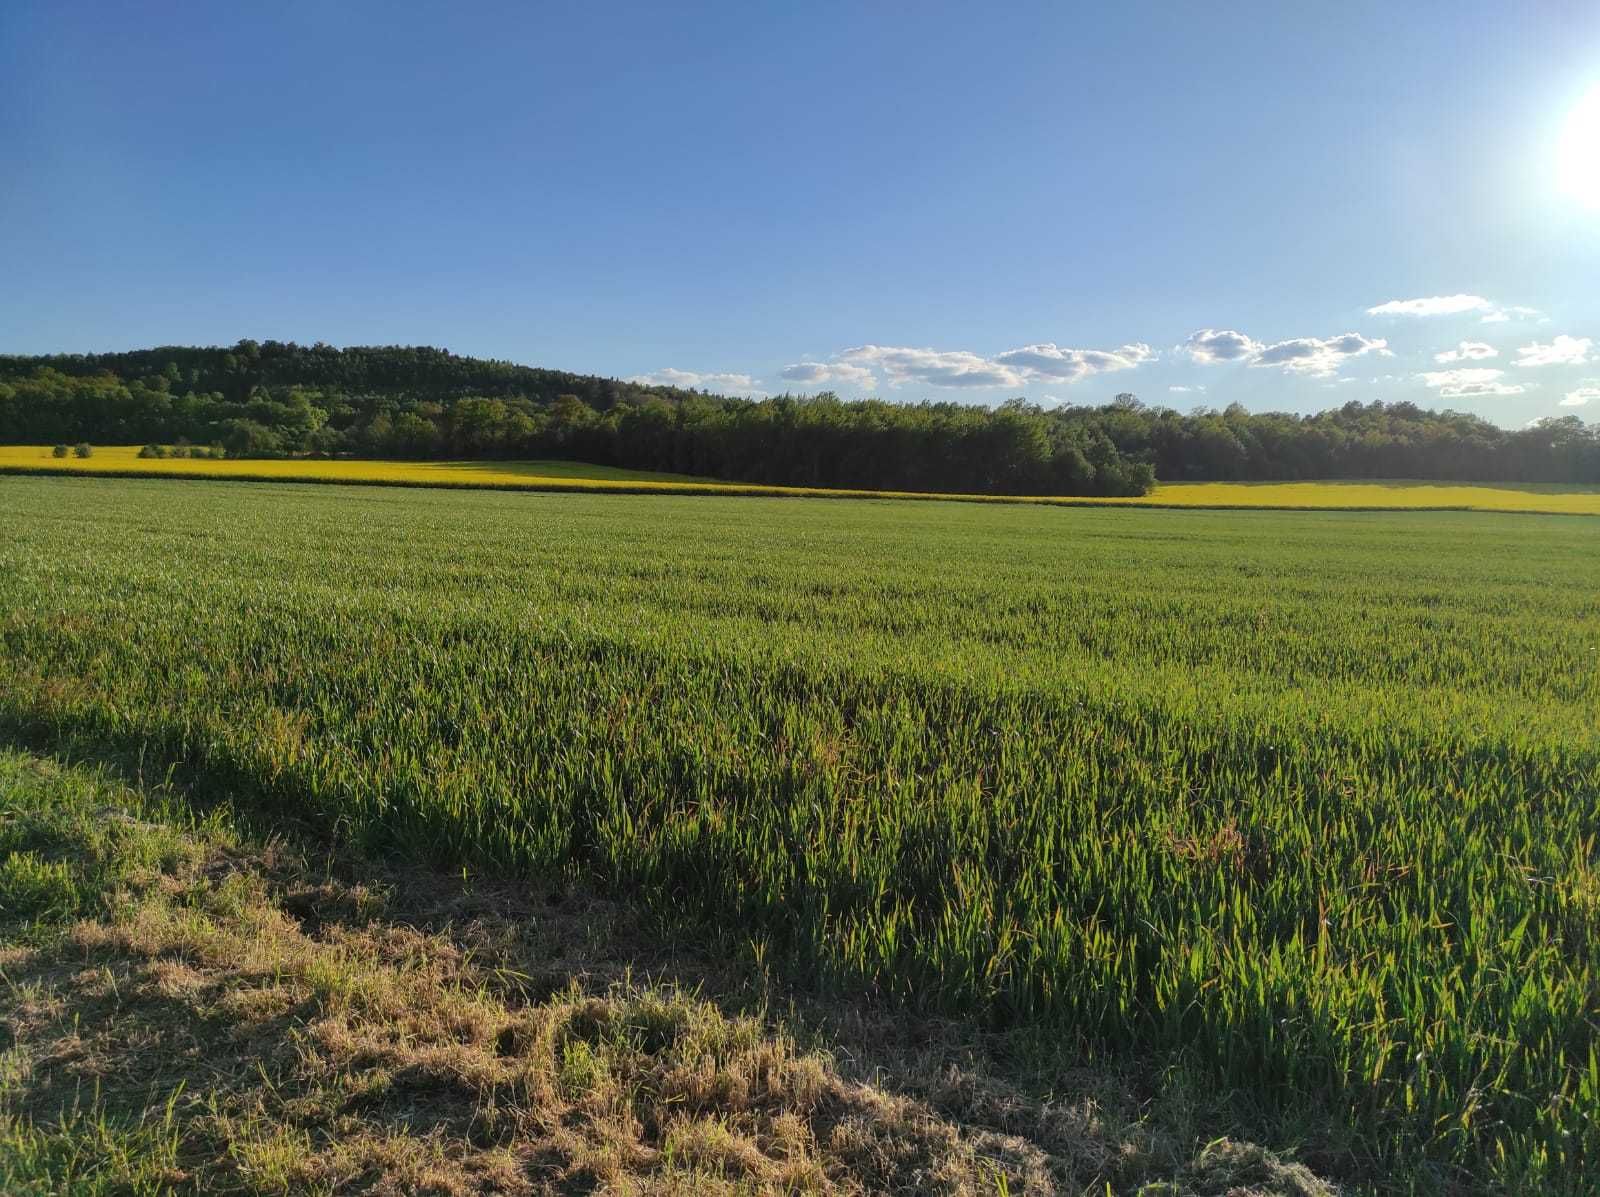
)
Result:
{"points": [[188, 1008], [124, 460], [1300, 804]]}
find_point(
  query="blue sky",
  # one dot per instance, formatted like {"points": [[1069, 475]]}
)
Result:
{"points": [[959, 201]]}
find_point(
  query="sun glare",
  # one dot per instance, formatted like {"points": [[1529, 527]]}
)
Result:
{"points": [[1579, 155]]}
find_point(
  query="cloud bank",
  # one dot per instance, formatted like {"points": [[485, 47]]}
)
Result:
{"points": [[900, 365], [931, 367], [1049, 361], [1319, 358], [1315, 357]]}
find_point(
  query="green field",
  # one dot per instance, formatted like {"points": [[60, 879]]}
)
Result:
{"points": [[1304, 803]]}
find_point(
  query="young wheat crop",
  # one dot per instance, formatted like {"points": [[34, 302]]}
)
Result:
{"points": [[1304, 801]]}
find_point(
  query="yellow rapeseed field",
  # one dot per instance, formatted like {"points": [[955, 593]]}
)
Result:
{"points": [[124, 460], [1398, 494]]}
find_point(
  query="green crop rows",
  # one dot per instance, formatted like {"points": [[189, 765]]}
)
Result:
{"points": [[1306, 801]]}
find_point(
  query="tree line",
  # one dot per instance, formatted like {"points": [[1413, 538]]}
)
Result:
{"points": [[273, 398]]}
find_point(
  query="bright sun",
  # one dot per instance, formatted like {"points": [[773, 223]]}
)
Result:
{"points": [[1579, 155]]}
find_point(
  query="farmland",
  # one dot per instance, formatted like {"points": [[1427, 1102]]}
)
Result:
{"points": [[124, 461], [1300, 803]]}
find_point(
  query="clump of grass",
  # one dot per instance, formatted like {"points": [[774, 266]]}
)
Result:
{"points": [[89, 1153], [31, 888]]}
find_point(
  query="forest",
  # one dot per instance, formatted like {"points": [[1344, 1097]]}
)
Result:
{"points": [[267, 399]]}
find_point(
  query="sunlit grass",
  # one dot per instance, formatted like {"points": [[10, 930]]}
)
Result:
{"points": [[1305, 802], [124, 460]]}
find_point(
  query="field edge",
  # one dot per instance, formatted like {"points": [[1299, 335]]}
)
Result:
{"points": [[756, 490]]}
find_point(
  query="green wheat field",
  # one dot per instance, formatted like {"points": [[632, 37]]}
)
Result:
{"points": [[1303, 803]]}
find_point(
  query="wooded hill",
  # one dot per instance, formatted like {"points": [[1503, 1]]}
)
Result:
{"points": [[272, 398]]}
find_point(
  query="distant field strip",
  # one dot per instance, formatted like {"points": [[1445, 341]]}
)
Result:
{"points": [[1306, 802], [124, 461]]}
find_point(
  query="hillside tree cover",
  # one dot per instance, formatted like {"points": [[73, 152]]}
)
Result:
{"points": [[273, 398]]}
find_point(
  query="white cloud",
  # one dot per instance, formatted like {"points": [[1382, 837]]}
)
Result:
{"points": [[1068, 365], [1455, 305], [1467, 351], [933, 367], [1318, 357], [815, 373], [719, 384], [1469, 383], [1433, 305], [1014, 368], [1563, 351], [1503, 315], [1580, 396], [1211, 345], [1176, 390]]}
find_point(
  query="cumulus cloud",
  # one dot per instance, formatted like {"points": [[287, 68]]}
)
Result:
{"points": [[1470, 383], [1219, 345], [1433, 305], [932, 367], [1467, 351], [717, 383], [1045, 362], [1563, 351], [1050, 361], [818, 373], [1316, 356], [1580, 396]]}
